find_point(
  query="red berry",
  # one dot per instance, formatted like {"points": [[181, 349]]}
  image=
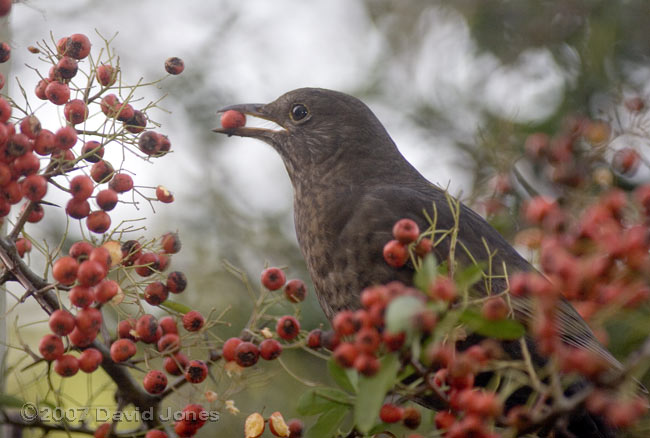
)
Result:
{"points": [[27, 164], [57, 92], [314, 338], [5, 110], [122, 350], [150, 142], [193, 321], [443, 288], [147, 328], [81, 296], [164, 195], [154, 382], [270, 349], [101, 171], [406, 231], [423, 247], [170, 243], [77, 209], [77, 46], [330, 340], [106, 199], [155, 293], [137, 123], [124, 328], [194, 414], [232, 119], [65, 138], [81, 339], [90, 359], [90, 273], [176, 282], [168, 324], [246, 354], [393, 341], [75, 111], [196, 371], [5, 7], [34, 187], [37, 213], [288, 327], [273, 278], [174, 66], [495, 309], [66, 365], [94, 151], [344, 323], [121, 183], [106, 75], [41, 87], [148, 263], [395, 254], [295, 291], [106, 290], [229, 347], [98, 222], [64, 270], [169, 343], [367, 340], [30, 126], [66, 68], [5, 52], [390, 413], [18, 145], [81, 187], [80, 250], [367, 364], [626, 161], [295, 428], [23, 246], [50, 347], [176, 364], [88, 320], [345, 354]]}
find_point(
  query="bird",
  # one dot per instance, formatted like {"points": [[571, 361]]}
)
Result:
{"points": [[351, 184]]}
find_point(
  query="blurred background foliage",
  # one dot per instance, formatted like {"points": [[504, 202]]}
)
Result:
{"points": [[460, 85]]}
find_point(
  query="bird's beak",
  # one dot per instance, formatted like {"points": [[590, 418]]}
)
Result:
{"points": [[256, 110]]}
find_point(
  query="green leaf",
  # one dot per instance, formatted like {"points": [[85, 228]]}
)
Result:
{"points": [[469, 276], [317, 400], [10, 401], [175, 306], [400, 312], [328, 423], [346, 378], [372, 391], [427, 272], [501, 329]]}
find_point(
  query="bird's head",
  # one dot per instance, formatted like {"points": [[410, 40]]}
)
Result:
{"points": [[316, 129]]}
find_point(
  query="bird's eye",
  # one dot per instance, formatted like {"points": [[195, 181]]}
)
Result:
{"points": [[299, 112]]}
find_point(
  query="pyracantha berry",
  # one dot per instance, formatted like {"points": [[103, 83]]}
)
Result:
{"points": [[246, 354], [174, 66], [155, 293], [66, 365], [193, 321], [273, 278], [295, 290], [270, 349], [196, 371], [90, 359], [288, 327], [50, 347], [122, 350], [406, 231], [176, 282], [232, 119], [65, 269], [154, 382]]}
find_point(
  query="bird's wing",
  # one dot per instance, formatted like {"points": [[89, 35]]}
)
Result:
{"points": [[381, 207]]}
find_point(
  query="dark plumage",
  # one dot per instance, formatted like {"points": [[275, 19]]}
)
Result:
{"points": [[351, 184]]}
